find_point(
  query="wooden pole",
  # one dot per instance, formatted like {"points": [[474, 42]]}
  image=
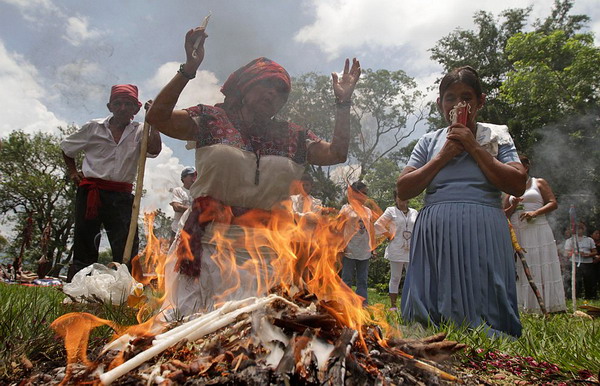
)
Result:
{"points": [[139, 185], [532, 284]]}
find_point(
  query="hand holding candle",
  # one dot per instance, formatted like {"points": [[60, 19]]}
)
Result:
{"points": [[200, 39], [460, 113]]}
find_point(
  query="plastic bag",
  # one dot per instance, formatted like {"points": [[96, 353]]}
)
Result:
{"points": [[100, 283]]}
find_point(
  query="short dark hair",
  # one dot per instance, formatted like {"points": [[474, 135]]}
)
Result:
{"points": [[524, 160], [358, 186], [464, 74]]}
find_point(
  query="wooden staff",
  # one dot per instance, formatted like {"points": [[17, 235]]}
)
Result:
{"points": [[519, 251], [139, 184], [534, 287]]}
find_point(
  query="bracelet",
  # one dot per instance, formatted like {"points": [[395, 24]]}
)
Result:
{"points": [[339, 103], [185, 74]]}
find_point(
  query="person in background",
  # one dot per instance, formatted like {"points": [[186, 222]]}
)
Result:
{"points": [[528, 217], [304, 203], [181, 200], [461, 260], [596, 237], [584, 251], [565, 261], [397, 223], [111, 148], [359, 232], [246, 160]]}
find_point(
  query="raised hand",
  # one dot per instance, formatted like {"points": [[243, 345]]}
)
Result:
{"points": [[193, 61], [344, 87]]}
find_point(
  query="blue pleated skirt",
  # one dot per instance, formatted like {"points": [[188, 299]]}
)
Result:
{"points": [[462, 269]]}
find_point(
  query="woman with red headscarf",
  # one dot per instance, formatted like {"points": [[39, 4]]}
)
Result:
{"points": [[245, 159]]}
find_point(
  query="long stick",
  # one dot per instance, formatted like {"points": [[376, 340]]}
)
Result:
{"points": [[534, 287], [139, 184], [519, 251]]}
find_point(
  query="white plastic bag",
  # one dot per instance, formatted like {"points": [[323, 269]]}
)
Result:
{"points": [[101, 283]]}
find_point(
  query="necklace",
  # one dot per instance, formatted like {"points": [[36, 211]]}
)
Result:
{"points": [[406, 234]]}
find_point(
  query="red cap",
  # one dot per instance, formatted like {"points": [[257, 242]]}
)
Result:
{"points": [[126, 91]]}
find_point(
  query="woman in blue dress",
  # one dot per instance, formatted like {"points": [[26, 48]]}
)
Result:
{"points": [[461, 260]]}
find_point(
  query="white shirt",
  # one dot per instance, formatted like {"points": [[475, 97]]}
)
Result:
{"points": [[586, 244], [181, 196], [305, 204], [104, 158], [400, 225], [355, 229]]}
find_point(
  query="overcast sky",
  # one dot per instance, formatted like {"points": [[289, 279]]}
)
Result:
{"points": [[58, 59]]}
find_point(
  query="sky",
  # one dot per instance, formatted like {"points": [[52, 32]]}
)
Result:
{"points": [[58, 59]]}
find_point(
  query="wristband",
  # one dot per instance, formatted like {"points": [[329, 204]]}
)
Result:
{"points": [[185, 74]]}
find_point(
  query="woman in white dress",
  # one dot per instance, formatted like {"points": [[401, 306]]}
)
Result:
{"points": [[397, 223], [528, 217]]}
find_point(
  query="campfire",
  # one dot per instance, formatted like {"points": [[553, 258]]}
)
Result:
{"points": [[302, 325]]}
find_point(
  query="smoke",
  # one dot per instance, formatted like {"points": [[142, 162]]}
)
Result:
{"points": [[566, 156], [162, 174]]}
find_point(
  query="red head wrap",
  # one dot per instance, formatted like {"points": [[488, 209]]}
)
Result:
{"points": [[125, 91], [247, 76]]}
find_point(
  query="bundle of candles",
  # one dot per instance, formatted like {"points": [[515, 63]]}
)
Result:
{"points": [[460, 113]]}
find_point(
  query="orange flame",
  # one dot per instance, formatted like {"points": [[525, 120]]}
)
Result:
{"points": [[75, 328], [269, 249]]}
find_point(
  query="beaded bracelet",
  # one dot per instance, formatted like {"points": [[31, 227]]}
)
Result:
{"points": [[185, 74]]}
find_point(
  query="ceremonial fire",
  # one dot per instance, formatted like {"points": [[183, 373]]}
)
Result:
{"points": [[302, 324]]}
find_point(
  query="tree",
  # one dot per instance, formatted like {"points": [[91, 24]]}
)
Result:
{"points": [[482, 49], [555, 91], [381, 180], [485, 49], [384, 103], [33, 183], [555, 76]]}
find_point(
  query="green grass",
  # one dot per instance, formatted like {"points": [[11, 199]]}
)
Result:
{"points": [[26, 313], [572, 343], [25, 333]]}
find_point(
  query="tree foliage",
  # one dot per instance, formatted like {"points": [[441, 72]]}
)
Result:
{"points": [[33, 184], [555, 76], [484, 48], [388, 106]]}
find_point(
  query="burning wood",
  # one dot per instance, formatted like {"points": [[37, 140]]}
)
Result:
{"points": [[268, 340]]}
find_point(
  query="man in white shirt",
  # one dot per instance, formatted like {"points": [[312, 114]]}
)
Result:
{"points": [[584, 251], [111, 148], [181, 198]]}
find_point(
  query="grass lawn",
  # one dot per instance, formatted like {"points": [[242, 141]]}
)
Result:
{"points": [[27, 344]]}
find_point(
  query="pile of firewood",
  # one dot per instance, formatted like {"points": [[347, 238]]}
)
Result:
{"points": [[259, 341]]}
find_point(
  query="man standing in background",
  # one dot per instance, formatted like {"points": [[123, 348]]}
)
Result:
{"points": [[111, 148], [182, 200]]}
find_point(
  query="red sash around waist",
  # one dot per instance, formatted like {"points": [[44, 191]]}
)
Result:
{"points": [[93, 185]]}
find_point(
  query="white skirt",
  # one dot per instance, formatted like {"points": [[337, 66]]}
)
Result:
{"points": [[541, 255]]}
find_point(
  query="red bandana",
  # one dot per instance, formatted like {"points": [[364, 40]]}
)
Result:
{"points": [[125, 91], [245, 77]]}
